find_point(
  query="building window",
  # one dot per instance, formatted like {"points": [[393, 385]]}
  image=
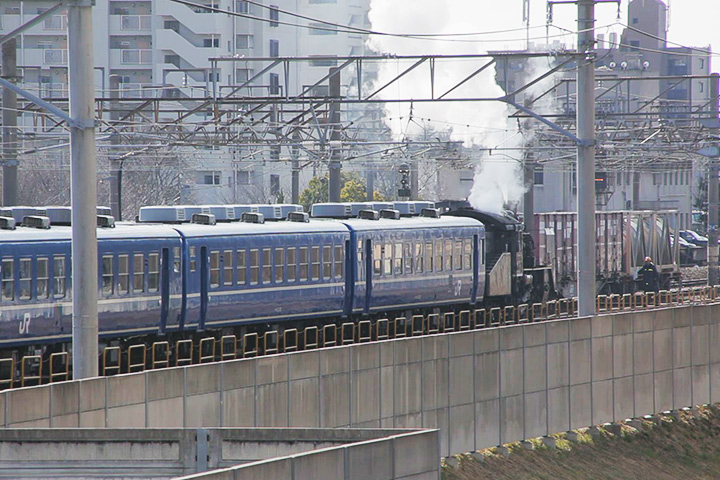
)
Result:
{"points": [[243, 177], [274, 84], [241, 6], [274, 15], [323, 62], [702, 64], [210, 178], [244, 42], [538, 176], [274, 48], [243, 74], [635, 20], [322, 29], [274, 185], [211, 42]]}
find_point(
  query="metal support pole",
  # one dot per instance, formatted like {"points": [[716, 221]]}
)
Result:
{"points": [[335, 183], [529, 197], [9, 125], [586, 158], [713, 171], [370, 183], [84, 193], [414, 179], [115, 175]]}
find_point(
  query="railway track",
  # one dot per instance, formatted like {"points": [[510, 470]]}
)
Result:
{"points": [[41, 369]]}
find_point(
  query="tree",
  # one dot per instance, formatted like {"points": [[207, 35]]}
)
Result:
{"points": [[352, 190]]}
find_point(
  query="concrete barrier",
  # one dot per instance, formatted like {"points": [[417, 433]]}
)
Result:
{"points": [[165, 453], [400, 456], [481, 387]]}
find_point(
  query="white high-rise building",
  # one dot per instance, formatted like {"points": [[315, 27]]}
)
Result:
{"points": [[162, 48]]}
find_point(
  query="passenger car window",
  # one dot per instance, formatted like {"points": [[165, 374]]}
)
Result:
{"points": [[43, 279], [448, 255], [428, 256], [267, 265], [107, 274], [228, 268], [339, 261], [279, 264], [193, 261], [377, 259], [8, 279], [458, 254], [418, 257], [291, 264], [398, 259], [315, 263], [138, 273], [438, 255], [241, 267], [467, 256], [387, 259], [123, 274], [153, 272], [215, 269], [254, 267], [327, 262], [59, 276], [303, 263]]}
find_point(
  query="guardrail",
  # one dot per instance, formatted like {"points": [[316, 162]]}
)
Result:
{"points": [[36, 369]]}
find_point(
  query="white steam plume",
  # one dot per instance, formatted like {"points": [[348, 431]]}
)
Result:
{"points": [[498, 179]]}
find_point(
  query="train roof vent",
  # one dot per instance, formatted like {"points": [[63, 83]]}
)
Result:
{"points": [[163, 214], [270, 212], [203, 218], [382, 205], [409, 209], [390, 214], [302, 217], [332, 210], [36, 221], [253, 217], [105, 221], [287, 208], [430, 212], [223, 213], [368, 214], [19, 213], [103, 210], [7, 223], [60, 215]]}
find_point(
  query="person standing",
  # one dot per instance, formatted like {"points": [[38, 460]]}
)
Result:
{"points": [[649, 276]]}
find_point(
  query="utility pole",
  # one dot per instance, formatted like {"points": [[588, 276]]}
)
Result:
{"points": [[529, 197], [713, 170], [585, 111], [84, 191], [115, 163], [9, 125], [370, 182], [295, 179], [335, 183]]}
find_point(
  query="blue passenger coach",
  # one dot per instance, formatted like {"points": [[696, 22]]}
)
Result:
{"points": [[138, 291], [239, 273], [416, 262]]}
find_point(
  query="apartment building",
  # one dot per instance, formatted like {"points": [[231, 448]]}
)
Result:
{"points": [[162, 48]]}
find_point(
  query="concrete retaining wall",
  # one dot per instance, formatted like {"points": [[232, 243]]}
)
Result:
{"points": [[481, 388], [401, 456], [167, 453]]}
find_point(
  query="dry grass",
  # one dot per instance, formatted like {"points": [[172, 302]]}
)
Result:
{"points": [[678, 448]]}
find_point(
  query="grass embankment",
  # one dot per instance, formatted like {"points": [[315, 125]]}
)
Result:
{"points": [[681, 446]]}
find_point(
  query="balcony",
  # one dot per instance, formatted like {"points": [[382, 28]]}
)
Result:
{"points": [[130, 24], [56, 23]]}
